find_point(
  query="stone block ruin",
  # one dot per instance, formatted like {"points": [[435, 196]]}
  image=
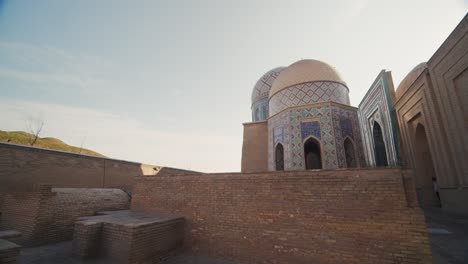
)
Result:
{"points": [[128, 236]]}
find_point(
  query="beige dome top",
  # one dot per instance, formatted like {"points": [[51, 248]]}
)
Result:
{"points": [[305, 71], [409, 79]]}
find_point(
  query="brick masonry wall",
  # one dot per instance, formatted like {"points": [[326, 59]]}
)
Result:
{"points": [[340, 216], [8, 252], [21, 167], [156, 240], [128, 237], [115, 242], [125, 244], [47, 215], [20, 212], [87, 239]]}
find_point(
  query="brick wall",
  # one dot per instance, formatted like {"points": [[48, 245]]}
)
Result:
{"points": [[20, 212], [126, 244], [340, 216], [47, 215], [21, 167], [157, 240], [87, 239]]}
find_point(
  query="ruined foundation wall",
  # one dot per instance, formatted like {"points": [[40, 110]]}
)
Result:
{"points": [[21, 167], [340, 216], [47, 215]]}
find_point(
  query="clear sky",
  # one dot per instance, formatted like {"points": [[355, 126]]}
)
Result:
{"points": [[169, 82]]}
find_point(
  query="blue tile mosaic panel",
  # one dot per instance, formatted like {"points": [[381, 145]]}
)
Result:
{"points": [[346, 127], [278, 135], [310, 129]]}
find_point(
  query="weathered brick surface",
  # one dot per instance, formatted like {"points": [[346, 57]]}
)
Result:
{"points": [[156, 240], [47, 215], [8, 252], [128, 237], [116, 241], [341, 216], [21, 167], [20, 212], [87, 239]]}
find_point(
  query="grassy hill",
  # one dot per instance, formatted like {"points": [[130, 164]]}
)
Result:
{"points": [[22, 138]]}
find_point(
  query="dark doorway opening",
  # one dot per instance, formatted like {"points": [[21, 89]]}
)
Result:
{"points": [[279, 157], [349, 153], [424, 169], [313, 157], [379, 146]]}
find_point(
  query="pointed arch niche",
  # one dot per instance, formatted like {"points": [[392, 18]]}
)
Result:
{"points": [[424, 167], [279, 157], [379, 146], [350, 153], [312, 154]]}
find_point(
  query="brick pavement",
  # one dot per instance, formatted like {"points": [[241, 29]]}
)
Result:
{"points": [[448, 233], [60, 253]]}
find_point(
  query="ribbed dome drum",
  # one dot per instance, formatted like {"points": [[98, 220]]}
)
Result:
{"points": [[260, 94]]}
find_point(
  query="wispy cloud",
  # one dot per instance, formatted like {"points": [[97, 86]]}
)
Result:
{"points": [[119, 137], [42, 77], [56, 68]]}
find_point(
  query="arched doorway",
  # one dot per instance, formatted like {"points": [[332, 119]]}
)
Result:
{"points": [[379, 146], [279, 157], [312, 154], [349, 153], [424, 168]]}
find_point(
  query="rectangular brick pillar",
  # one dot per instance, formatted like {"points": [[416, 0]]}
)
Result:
{"points": [[86, 240]]}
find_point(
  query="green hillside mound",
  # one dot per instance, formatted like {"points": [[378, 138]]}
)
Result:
{"points": [[23, 138]]}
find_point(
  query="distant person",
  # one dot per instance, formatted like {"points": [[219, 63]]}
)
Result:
{"points": [[435, 188]]}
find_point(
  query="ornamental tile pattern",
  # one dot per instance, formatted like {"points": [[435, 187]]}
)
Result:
{"points": [[323, 114], [278, 135], [310, 129], [278, 122], [308, 93], [346, 127], [328, 123], [376, 106], [346, 123], [262, 87]]}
